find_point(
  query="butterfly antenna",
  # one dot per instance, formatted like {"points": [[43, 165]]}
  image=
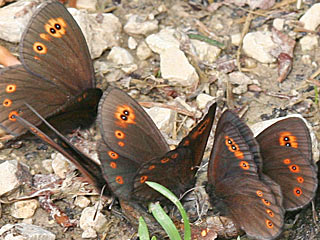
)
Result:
{"points": [[99, 203]]}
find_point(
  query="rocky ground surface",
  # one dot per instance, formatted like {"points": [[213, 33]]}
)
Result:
{"points": [[174, 57]]}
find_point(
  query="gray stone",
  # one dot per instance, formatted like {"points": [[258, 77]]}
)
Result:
{"points": [[143, 51], [205, 51], [12, 175], [163, 40], [175, 67], [163, 118], [259, 45], [311, 19], [137, 24], [309, 42], [23, 231], [24, 209]]}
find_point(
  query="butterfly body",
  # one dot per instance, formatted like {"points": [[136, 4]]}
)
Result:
{"points": [[132, 149]]}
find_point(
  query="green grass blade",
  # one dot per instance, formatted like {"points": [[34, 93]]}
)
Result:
{"points": [[143, 230], [168, 194], [164, 220], [206, 39]]}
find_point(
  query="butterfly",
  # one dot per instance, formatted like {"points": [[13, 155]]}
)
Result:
{"points": [[133, 151], [56, 76], [236, 185], [286, 150]]}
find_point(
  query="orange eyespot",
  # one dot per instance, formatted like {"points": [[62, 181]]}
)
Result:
{"points": [[45, 36], [39, 48], [174, 156], [119, 134], [164, 160], [7, 102], [113, 165], [79, 99], [124, 115], [186, 143], [287, 161], [259, 193], [119, 179], [113, 154], [143, 179], [12, 116], [265, 202], [287, 139], [269, 223], [56, 27], [121, 144], [233, 147], [244, 165], [294, 168], [300, 179], [271, 214], [11, 88], [297, 191], [200, 129], [151, 167]]}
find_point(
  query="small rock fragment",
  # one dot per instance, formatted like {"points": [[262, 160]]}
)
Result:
{"points": [[16, 14], [12, 175], [89, 233], [24, 209], [87, 4], [163, 40], [174, 67], [82, 201], [87, 219], [203, 99], [60, 165], [143, 51], [309, 42], [140, 25], [101, 30], [235, 39], [241, 80], [47, 165], [278, 23], [259, 45], [132, 43], [205, 51], [311, 19], [23, 231], [120, 56], [163, 118]]}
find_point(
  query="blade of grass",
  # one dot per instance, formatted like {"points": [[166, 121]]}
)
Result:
{"points": [[164, 220], [143, 230], [168, 194], [206, 39]]}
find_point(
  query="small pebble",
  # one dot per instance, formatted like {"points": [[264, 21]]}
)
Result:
{"points": [[132, 43], [309, 42], [82, 201], [60, 165], [24, 209], [203, 99], [140, 25], [143, 51], [163, 118], [311, 19]]}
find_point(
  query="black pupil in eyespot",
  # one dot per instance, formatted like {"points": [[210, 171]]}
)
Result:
{"points": [[123, 117], [57, 26], [125, 112], [39, 48], [234, 148], [288, 144], [286, 138], [52, 30], [229, 141]]}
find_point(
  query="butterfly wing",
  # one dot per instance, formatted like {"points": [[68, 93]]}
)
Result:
{"points": [[129, 138], [235, 186], [15, 82], [287, 158], [54, 48], [88, 167], [176, 169]]}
